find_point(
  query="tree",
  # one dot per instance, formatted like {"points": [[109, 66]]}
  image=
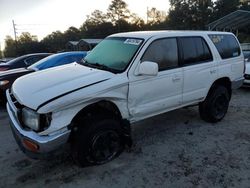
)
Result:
{"points": [[118, 10], [224, 7], [89, 30], [26, 37], [190, 14], [54, 42], [137, 23], [155, 16], [72, 34], [203, 11], [96, 18], [27, 43], [10, 47]]}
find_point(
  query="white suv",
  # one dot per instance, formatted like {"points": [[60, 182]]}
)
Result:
{"points": [[126, 78]]}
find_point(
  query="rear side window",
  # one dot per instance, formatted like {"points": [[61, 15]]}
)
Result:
{"points": [[226, 45], [164, 52], [195, 50]]}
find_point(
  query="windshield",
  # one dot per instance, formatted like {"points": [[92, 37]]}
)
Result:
{"points": [[113, 54]]}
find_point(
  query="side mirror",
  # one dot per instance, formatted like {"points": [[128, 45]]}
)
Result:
{"points": [[148, 68]]}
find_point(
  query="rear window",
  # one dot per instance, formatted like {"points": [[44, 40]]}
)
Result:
{"points": [[226, 45]]}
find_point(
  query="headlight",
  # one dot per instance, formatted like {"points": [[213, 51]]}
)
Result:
{"points": [[31, 119], [4, 82]]}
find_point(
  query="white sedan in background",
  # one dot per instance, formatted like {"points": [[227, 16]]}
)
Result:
{"points": [[247, 71]]}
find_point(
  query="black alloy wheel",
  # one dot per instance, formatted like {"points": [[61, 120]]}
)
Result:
{"points": [[105, 146]]}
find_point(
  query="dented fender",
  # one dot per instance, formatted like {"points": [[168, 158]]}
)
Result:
{"points": [[66, 108]]}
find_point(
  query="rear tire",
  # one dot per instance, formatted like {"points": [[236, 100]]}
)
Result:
{"points": [[98, 141], [215, 106]]}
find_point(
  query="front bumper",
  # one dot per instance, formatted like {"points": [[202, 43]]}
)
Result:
{"points": [[47, 145]]}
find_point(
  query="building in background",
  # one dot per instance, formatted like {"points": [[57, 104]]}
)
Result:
{"points": [[82, 45]]}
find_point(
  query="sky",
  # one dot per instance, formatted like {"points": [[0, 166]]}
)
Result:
{"points": [[41, 17]]}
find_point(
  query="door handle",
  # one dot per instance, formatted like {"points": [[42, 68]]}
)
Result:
{"points": [[176, 79]]}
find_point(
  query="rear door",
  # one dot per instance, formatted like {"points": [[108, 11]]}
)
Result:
{"points": [[199, 69]]}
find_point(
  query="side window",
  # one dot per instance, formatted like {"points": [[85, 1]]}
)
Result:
{"points": [[189, 50], [235, 48], [226, 45], [164, 52], [207, 53], [32, 60], [195, 50]]}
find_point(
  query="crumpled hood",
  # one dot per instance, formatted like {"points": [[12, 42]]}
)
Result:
{"points": [[37, 88]]}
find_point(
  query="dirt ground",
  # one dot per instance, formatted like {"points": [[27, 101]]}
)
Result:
{"points": [[176, 149]]}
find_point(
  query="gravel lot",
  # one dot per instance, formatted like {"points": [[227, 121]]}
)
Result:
{"points": [[176, 149]]}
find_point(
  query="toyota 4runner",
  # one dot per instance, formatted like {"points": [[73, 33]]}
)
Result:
{"points": [[128, 77]]}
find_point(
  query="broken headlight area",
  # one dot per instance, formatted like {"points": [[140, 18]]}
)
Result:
{"points": [[35, 121]]}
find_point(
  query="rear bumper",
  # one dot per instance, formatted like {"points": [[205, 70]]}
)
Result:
{"points": [[48, 145], [237, 83], [247, 80]]}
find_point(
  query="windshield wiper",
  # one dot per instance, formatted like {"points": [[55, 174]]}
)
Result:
{"points": [[98, 66], [82, 62], [105, 67]]}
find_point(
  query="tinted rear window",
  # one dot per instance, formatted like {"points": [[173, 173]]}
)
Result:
{"points": [[226, 45], [195, 50]]}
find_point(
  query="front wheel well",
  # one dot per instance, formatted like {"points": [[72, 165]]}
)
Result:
{"points": [[99, 108]]}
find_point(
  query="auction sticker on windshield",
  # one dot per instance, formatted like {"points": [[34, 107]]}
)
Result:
{"points": [[133, 41]]}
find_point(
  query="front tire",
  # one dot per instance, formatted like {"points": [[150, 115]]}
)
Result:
{"points": [[97, 142], [215, 106]]}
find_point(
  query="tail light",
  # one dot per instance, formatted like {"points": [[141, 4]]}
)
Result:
{"points": [[3, 68]]}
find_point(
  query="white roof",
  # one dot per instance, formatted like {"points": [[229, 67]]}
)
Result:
{"points": [[149, 34]]}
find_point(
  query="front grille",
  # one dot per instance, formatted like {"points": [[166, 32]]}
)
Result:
{"points": [[15, 106], [247, 76], [15, 102]]}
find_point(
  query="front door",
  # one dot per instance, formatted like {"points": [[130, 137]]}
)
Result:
{"points": [[151, 95]]}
